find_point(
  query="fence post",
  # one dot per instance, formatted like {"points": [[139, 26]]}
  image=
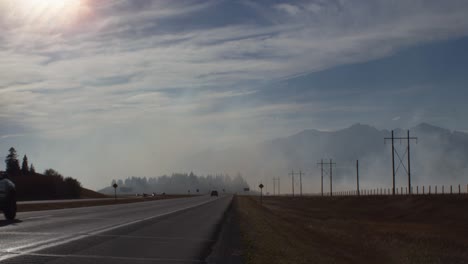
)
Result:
{"points": [[459, 190], [417, 189], [443, 189], [423, 189], [429, 189], [451, 189], [436, 189]]}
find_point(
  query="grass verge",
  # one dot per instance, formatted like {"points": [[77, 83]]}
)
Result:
{"points": [[76, 204]]}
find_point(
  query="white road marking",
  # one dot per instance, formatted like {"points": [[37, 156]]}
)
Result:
{"points": [[37, 217], [37, 246], [111, 257], [99, 235]]}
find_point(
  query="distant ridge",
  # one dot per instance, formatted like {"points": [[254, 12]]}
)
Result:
{"points": [[439, 155]]}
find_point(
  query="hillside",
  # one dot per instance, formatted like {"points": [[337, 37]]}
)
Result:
{"points": [[89, 194]]}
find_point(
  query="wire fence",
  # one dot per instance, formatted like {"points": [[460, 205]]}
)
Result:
{"points": [[415, 190]]}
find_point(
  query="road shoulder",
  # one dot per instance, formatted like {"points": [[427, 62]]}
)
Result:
{"points": [[228, 246]]}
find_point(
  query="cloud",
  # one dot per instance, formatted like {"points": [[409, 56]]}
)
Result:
{"points": [[288, 8], [125, 48], [198, 66]]}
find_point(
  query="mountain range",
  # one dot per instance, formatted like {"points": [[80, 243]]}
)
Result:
{"points": [[438, 156]]}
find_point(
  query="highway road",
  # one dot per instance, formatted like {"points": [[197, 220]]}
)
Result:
{"points": [[164, 231]]}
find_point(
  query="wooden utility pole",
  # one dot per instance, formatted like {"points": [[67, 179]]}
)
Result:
{"points": [[321, 177], [331, 163], [331, 178], [276, 186], [357, 177], [292, 181], [279, 192], [408, 138], [300, 182]]}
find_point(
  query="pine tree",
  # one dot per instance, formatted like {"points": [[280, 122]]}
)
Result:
{"points": [[24, 166], [32, 170], [12, 163]]}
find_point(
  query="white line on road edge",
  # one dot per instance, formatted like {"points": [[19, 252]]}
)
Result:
{"points": [[165, 260], [31, 248], [19, 233]]}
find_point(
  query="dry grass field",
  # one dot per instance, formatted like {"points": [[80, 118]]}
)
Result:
{"points": [[422, 229]]}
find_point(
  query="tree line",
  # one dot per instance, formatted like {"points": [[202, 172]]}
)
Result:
{"points": [[13, 166], [181, 183], [32, 185]]}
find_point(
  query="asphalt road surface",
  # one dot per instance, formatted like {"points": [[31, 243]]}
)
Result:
{"points": [[165, 231]]}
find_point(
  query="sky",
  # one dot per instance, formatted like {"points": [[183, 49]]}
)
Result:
{"points": [[107, 89]]}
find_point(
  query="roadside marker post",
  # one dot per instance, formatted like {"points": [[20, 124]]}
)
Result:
{"points": [[261, 192], [115, 190]]}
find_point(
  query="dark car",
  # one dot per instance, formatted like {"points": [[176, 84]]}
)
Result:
{"points": [[214, 193], [7, 197]]}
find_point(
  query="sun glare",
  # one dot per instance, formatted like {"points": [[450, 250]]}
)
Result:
{"points": [[47, 13]]}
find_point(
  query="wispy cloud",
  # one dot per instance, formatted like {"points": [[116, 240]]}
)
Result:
{"points": [[128, 48], [196, 64]]}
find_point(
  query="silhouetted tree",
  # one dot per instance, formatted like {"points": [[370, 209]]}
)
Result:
{"points": [[32, 169], [25, 166], [73, 187], [52, 172], [12, 163]]}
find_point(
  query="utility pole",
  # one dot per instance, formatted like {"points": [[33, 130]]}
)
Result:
{"points": [[292, 181], [274, 186], [331, 163], [279, 186], [408, 138], [409, 163], [331, 178], [321, 176], [357, 177], [300, 181]]}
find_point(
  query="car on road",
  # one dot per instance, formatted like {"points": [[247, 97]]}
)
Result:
{"points": [[7, 197], [214, 193]]}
